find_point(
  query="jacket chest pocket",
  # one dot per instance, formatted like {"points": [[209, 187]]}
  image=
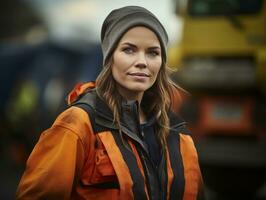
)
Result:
{"points": [[99, 170], [103, 165]]}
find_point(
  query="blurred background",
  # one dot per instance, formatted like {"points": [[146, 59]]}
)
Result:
{"points": [[217, 51]]}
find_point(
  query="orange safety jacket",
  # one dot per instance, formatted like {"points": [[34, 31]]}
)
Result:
{"points": [[83, 156]]}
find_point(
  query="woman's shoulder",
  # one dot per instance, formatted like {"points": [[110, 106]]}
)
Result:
{"points": [[76, 121], [178, 124], [75, 118]]}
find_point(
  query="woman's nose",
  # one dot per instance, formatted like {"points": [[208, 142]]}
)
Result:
{"points": [[141, 60]]}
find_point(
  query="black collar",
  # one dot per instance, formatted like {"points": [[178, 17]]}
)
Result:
{"points": [[130, 124]]}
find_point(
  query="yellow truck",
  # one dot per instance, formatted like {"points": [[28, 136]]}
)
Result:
{"points": [[221, 60]]}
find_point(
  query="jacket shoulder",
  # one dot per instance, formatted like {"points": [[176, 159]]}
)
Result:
{"points": [[87, 102], [75, 121], [177, 124], [88, 98]]}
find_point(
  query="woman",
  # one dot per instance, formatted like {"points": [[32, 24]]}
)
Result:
{"points": [[119, 139]]}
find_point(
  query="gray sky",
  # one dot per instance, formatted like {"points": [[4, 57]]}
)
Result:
{"points": [[81, 20]]}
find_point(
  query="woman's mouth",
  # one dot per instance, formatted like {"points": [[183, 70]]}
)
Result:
{"points": [[139, 74]]}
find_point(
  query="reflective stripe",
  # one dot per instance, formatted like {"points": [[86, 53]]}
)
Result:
{"points": [[120, 167], [131, 161], [191, 167], [140, 166]]}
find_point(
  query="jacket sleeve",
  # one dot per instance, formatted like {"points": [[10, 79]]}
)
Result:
{"points": [[56, 159]]}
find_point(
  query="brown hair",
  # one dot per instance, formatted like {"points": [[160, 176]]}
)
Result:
{"points": [[159, 94]]}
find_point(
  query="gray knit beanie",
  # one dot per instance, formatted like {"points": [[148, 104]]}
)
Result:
{"points": [[119, 21]]}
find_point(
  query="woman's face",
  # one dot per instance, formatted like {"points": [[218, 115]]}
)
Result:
{"points": [[136, 62]]}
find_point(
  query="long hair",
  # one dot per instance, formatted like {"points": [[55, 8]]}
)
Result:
{"points": [[156, 100]]}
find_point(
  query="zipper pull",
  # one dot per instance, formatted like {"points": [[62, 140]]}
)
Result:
{"points": [[142, 133]]}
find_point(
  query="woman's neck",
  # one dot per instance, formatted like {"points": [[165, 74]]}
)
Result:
{"points": [[130, 95]]}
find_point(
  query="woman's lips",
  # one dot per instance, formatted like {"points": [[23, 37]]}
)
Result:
{"points": [[140, 74]]}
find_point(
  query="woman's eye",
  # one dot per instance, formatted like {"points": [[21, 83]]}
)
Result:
{"points": [[128, 50], [153, 53]]}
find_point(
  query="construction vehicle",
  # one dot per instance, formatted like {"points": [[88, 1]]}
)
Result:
{"points": [[221, 61]]}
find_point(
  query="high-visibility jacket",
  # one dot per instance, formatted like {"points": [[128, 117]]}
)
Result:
{"points": [[84, 156]]}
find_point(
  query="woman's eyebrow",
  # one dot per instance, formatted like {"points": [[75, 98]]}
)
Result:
{"points": [[155, 48], [133, 45], [129, 44]]}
